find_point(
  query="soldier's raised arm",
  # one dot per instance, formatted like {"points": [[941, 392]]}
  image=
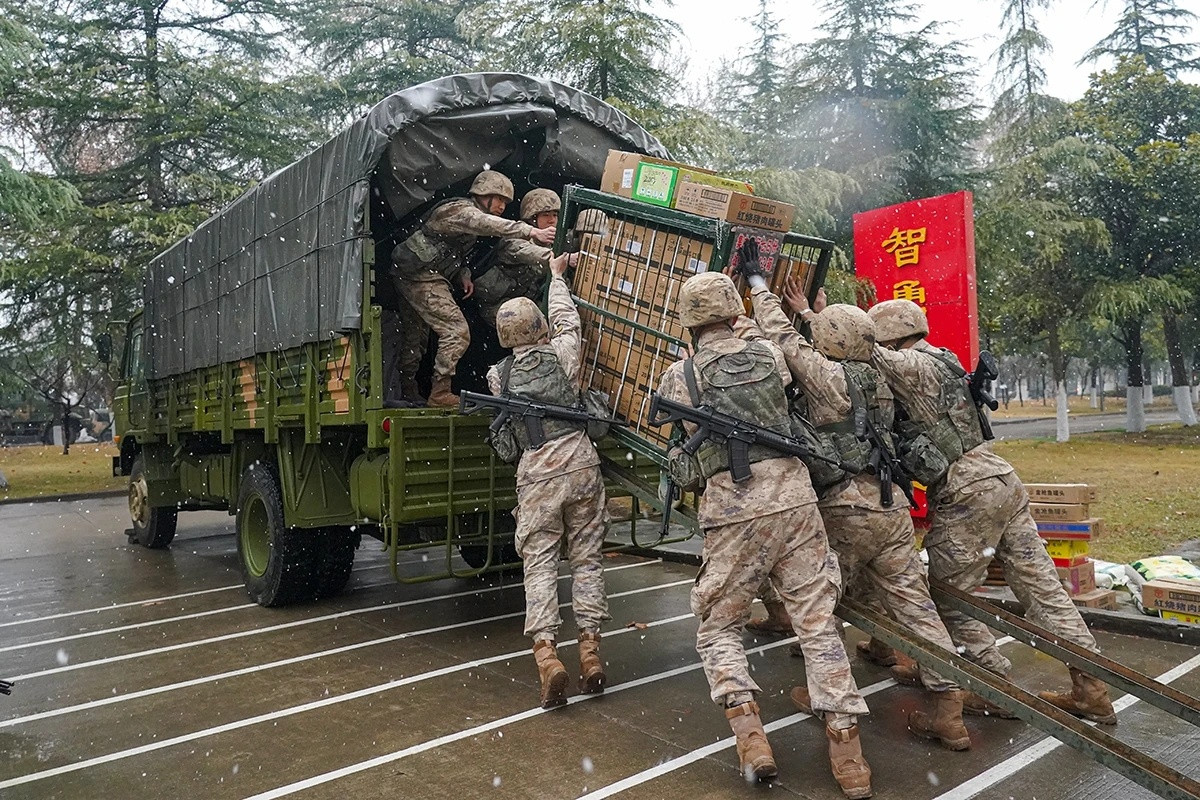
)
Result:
{"points": [[465, 217], [565, 327]]}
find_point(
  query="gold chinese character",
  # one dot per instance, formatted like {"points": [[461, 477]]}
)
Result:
{"points": [[909, 290], [905, 245]]}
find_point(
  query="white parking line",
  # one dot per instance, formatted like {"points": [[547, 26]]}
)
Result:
{"points": [[389, 758], [328, 701], [124, 698], [282, 626], [679, 762], [147, 602], [1015, 763]]}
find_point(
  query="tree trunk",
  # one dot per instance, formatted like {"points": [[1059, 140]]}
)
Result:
{"points": [[1135, 411], [156, 190], [1095, 370], [1058, 366], [66, 429], [1180, 380]]}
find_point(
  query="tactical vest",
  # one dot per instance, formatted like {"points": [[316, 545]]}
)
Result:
{"points": [[844, 440], [503, 282], [929, 447], [746, 385], [536, 375], [425, 251]]}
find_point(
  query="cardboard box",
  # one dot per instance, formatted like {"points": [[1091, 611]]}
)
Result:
{"points": [[1172, 594], [654, 183], [1060, 512], [1066, 548], [1175, 616], [736, 207], [1084, 530], [1097, 598], [620, 174], [1078, 579], [1061, 492]]}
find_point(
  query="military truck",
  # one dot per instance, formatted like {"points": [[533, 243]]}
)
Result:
{"points": [[254, 378]]}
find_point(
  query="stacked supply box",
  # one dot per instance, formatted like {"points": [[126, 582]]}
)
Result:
{"points": [[1067, 527], [1174, 599]]}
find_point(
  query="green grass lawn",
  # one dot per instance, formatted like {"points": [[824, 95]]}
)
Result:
{"points": [[1146, 484], [45, 471]]}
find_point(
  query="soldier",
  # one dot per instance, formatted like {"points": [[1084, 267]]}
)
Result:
{"points": [[846, 401], [433, 256], [977, 503], [766, 527], [560, 493], [518, 266]]}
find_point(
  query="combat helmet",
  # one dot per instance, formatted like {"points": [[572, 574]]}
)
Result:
{"points": [[898, 319], [539, 201], [591, 220], [843, 332], [491, 182], [520, 322], [707, 298]]}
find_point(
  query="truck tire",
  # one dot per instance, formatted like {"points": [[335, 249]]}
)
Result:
{"points": [[279, 565], [335, 559], [152, 527]]}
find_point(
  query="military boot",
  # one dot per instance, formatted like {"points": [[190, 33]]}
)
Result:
{"points": [[754, 752], [591, 668], [410, 390], [906, 671], [1088, 698], [876, 652], [976, 706], [440, 395], [946, 723], [777, 620], [801, 700], [552, 673], [850, 768]]}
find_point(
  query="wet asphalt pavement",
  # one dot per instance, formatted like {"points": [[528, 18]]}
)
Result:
{"points": [[150, 675]]}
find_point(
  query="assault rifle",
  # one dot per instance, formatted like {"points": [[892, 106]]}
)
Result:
{"points": [[738, 434], [979, 382], [531, 412], [885, 464]]}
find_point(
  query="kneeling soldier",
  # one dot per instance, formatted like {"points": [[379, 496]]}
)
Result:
{"points": [[560, 493], [765, 527]]}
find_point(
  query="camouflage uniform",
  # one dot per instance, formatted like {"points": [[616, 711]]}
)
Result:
{"points": [[425, 265], [560, 495], [518, 270], [874, 544], [765, 528], [978, 510]]}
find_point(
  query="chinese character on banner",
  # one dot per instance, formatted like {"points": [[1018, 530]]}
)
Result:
{"points": [[909, 290], [905, 245]]}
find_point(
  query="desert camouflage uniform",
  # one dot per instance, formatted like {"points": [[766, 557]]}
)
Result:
{"points": [[424, 288], [875, 545], [978, 510], [518, 269], [560, 495], [765, 528]]}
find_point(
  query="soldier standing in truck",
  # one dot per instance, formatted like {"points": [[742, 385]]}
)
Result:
{"points": [[430, 260], [560, 491]]}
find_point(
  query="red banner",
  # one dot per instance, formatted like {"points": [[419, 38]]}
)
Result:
{"points": [[924, 251]]}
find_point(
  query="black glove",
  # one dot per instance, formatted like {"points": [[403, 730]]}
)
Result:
{"points": [[748, 264]]}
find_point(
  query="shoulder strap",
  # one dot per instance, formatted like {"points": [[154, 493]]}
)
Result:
{"points": [[689, 377], [505, 372]]}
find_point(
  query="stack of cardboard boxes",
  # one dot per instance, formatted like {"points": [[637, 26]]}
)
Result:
{"points": [[629, 278], [1173, 598], [1067, 527]]}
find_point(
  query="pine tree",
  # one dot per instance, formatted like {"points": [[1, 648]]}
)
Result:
{"points": [[753, 90], [1023, 111], [1152, 29], [607, 48]]}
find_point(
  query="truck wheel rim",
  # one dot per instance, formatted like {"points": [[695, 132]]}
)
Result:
{"points": [[256, 540], [139, 502]]}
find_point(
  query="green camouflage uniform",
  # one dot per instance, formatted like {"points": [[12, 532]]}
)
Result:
{"points": [[978, 510], [766, 528], [560, 495], [875, 545], [425, 265]]}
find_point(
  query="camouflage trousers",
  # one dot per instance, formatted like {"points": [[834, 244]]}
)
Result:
{"points": [[878, 552], [568, 508], [787, 548], [986, 518], [425, 305]]}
